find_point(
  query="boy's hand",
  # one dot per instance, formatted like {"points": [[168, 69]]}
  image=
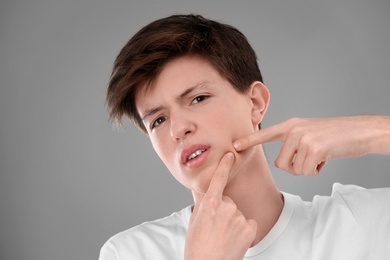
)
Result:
{"points": [[218, 230], [310, 143]]}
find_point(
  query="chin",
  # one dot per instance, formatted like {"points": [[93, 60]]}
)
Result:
{"points": [[202, 181]]}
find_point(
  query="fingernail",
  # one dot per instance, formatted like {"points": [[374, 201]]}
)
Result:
{"points": [[236, 145]]}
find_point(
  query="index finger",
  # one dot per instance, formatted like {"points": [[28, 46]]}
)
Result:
{"points": [[220, 176], [268, 134]]}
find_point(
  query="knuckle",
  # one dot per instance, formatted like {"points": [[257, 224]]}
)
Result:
{"points": [[227, 199], [306, 141], [211, 203], [296, 130], [250, 229], [316, 149], [230, 205]]}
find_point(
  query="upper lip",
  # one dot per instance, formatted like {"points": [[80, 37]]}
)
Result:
{"points": [[189, 150]]}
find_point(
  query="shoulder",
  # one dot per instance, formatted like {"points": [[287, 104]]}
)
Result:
{"points": [[370, 209], [360, 202], [352, 197], [368, 206], [353, 217], [348, 204], [149, 238], [357, 197]]}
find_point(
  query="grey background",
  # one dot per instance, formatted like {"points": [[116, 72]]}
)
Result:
{"points": [[69, 180]]}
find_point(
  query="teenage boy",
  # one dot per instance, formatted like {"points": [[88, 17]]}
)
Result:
{"points": [[194, 87]]}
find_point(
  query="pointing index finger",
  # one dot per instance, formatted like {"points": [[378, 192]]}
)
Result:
{"points": [[268, 134], [220, 176]]}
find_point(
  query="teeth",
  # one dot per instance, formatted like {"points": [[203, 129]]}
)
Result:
{"points": [[196, 153]]}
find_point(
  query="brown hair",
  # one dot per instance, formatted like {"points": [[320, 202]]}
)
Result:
{"points": [[150, 49]]}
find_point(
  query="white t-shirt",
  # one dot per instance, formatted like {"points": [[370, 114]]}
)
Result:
{"points": [[353, 223]]}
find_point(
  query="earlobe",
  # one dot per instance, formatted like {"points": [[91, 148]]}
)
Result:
{"points": [[260, 97]]}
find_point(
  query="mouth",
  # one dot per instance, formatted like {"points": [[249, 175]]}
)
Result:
{"points": [[194, 156]]}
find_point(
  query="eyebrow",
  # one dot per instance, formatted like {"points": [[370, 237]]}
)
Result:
{"points": [[152, 111]]}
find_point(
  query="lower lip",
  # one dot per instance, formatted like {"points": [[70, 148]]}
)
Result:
{"points": [[198, 161]]}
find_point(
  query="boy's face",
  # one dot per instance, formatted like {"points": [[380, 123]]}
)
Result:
{"points": [[192, 116]]}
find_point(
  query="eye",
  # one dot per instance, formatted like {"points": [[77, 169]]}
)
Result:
{"points": [[158, 122], [199, 99]]}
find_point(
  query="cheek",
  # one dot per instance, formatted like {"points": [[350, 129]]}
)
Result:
{"points": [[238, 126], [162, 149], [167, 155], [228, 126]]}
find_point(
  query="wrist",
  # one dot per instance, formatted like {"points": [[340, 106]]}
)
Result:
{"points": [[379, 141]]}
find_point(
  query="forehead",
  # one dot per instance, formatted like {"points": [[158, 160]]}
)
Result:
{"points": [[177, 75]]}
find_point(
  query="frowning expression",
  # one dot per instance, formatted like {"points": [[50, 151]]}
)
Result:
{"points": [[192, 115]]}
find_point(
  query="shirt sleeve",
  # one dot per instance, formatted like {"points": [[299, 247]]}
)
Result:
{"points": [[107, 252], [371, 210]]}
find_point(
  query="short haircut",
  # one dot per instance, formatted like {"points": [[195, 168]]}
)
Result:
{"points": [[144, 56]]}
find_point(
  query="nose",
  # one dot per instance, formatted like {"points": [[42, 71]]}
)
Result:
{"points": [[182, 126]]}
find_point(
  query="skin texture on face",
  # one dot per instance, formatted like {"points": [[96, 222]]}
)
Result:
{"points": [[190, 107]]}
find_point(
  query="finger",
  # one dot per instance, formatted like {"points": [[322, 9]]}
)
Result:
{"points": [[310, 169], [286, 157], [251, 231], [253, 227], [299, 161], [313, 166], [268, 134], [220, 176]]}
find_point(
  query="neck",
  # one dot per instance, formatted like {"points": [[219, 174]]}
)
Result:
{"points": [[255, 193]]}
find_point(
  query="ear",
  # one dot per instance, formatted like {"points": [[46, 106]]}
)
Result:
{"points": [[260, 98]]}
